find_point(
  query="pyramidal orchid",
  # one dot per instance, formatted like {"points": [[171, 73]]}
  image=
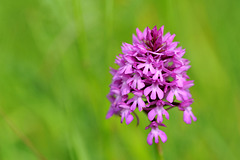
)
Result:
{"points": [[151, 77]]}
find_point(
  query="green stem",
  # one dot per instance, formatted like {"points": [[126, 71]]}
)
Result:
{"points": [[159, 150]]}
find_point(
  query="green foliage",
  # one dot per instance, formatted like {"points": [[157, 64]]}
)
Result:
{"points": [[55, 58]]}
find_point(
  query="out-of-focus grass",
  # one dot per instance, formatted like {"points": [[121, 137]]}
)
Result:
{"points": [[54, 68]]}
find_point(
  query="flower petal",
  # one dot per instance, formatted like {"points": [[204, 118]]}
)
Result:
{"points": [[186, 117], [178, 97], [141, 65], [170, 39], [145, 70], [128, 69], [150, 138], [147, 90], [133, 106], [160, 93], [134, 39], [156, 138], [163, 136], [193, 117], [141, 104], [152, 70], [110, 113], [165, 113], [129, 119], [140, 84], [170, 96], [134, 84], [159, 118], [139, 34], [153, 95], [151, 114]]}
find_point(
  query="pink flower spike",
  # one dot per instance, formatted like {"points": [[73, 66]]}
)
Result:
{"points": [[152, 76]]}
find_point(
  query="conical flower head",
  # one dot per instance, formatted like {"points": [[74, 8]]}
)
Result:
{"points": [[151, 77]]}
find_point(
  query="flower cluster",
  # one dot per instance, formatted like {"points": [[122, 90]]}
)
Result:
{"points": [[151, 77]]}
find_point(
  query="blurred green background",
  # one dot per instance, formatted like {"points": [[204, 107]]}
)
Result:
{"points": [[54, 77]]}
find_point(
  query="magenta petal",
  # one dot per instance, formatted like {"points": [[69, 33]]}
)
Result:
{"points": [[125, 90], [159, 118], [155, 77], [135, 39], [147, 90], [163, 136], [149, 36], [141, 65], [130, 101], [170, 39], [140, 84], [145, 70], [157, 42], [178, 97], [133, 106], [161, 77], [170, 96], [160, 93], [173, 45], [128, 69], [184, 94], [110, 113], [166, 113], [153, 95], [121, 69], [156, 138], [134, 84], [154, 31], [139, 34], [152, 70], [144, 33], [165, 37], [150, 138], [122, 118], [151, 114], [186, 117], [193, 117], [160, 31], [129, 119], [141, 104], [142, 49]]}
